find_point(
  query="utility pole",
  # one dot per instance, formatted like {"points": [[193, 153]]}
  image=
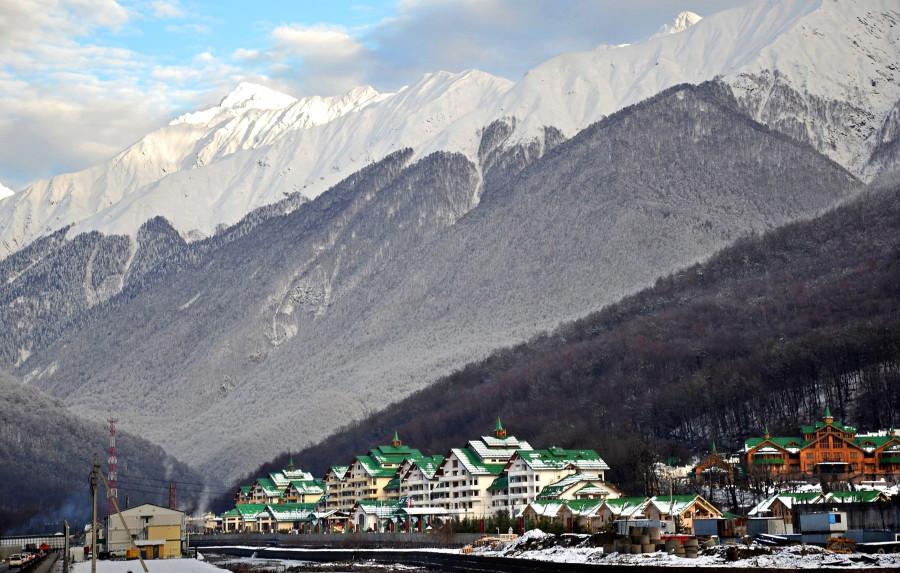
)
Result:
{"points": [[131, 537], [95, 470], [112, 468], [66, 547]]}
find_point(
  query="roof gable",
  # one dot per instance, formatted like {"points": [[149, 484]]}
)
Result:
{"points": [[559, 458]]}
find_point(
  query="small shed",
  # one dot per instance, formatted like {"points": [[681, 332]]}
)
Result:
{"points": [[824, 522]]}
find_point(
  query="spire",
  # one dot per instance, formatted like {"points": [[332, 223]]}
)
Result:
{"points": [[766, 433], [713, 450], [499, 431], [396, 441], [828, 417], [291, 467]]}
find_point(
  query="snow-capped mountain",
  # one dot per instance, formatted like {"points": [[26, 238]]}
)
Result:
{"points": [[250, 116], [404, 271], [822, 71], [682, 22], [5, 191]]}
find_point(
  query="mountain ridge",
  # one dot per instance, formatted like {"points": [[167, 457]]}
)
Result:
{"points": [[434, 266], [819, 71]]}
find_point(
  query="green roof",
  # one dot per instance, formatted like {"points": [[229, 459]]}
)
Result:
{"points": [[802, 496], [499, 484], [578, 505], [269, 488], [245, 489], [309, 486], [428, 464], [781, 441], [890, 460], [552, 458], [340, 471], [589, 488], [626, 500], [629, 506], [398, 452], [468, 457], [768, 461], [246, 510], [874, 441], [818, 425], [862, 496], [374, 468], [393, 485]]}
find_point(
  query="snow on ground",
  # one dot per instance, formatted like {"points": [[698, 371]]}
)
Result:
{"points": [[154, 565], [300, 550], [541, 546]]}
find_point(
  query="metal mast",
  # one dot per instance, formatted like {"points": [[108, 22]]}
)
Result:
{"points": [[112, 496]]}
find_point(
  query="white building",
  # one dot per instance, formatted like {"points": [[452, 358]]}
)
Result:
{"points": [[337, 488], [417, 479], [466, 475], [529, 471]]}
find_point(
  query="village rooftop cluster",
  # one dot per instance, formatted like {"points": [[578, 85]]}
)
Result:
{"points": [[397, 488]]}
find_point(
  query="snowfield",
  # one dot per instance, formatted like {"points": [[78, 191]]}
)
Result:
{"points": [[155, 566]]}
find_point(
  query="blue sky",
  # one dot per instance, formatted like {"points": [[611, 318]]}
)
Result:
{"points": [[82, 79]]}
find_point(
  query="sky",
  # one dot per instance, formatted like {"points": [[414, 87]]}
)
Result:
{"points": [[80, 80]]}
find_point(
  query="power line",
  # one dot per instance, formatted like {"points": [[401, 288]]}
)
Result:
{"points": [[163, 480], [134, 486]]}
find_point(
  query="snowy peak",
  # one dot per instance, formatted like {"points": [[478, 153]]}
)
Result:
{"points": [[248, 95], [682, 22], [821, 71], [5, 191]]}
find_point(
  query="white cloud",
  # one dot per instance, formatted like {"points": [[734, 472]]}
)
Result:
{"points": [[316, 59], [319, 40], [188, 28], [245, 54], [166, 9], [67, 101]]}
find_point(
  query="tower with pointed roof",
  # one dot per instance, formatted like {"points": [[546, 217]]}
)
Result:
{"points": [[395, 442], [828, 418], [499, 430]]}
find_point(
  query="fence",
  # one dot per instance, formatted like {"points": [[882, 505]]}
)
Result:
{"points": [[365, 540]]}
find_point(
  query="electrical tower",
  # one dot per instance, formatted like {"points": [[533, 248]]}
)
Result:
{"points": [[112, 472]]}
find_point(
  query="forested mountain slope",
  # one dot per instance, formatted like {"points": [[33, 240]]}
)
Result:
{"points": [[411, 268], [767, 332], [45, 456]]}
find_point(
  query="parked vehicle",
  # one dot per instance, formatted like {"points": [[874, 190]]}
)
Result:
{"points": [[15, 560]]}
